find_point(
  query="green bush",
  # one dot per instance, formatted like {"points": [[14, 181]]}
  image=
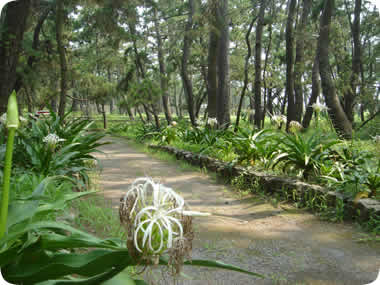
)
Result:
{"points": [[305, 155]]}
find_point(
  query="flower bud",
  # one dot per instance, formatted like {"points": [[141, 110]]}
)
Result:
{"points": [[12, 112]]}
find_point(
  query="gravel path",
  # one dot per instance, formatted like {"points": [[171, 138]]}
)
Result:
{"points": [[289, 246]]}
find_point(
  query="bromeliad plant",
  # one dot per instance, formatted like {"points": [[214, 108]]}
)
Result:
{"points": [[251, 146], [304, 155]]}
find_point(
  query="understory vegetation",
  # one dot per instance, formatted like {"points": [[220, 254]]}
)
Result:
{"points": [[351, 168], [319, 156]]}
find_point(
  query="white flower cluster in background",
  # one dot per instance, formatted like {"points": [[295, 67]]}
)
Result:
{"points": [[318, 107], [52, 139], [295, 126], [376, 139], [212, 122], [278, 119], [3, 119]]}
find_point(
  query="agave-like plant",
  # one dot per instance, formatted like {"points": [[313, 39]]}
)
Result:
{"points": [[251, 146], [304, 154]]}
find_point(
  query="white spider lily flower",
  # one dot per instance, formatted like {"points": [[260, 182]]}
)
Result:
{"points": [[376, 138], [278, 119], [318, 107], [52, 140], [212, 121], [294, 126], [154, 215], [23, 120], [3, 118]]}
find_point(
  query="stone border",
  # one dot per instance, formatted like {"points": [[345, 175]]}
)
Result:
{"points": [[294, 189]]}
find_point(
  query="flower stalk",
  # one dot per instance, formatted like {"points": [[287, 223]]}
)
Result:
{"points": [[12, 124]]}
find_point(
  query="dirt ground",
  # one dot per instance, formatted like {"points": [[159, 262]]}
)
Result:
{"points": [[286, 245]]}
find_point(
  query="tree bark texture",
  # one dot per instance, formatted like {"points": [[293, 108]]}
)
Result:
{"points": [[315, 91], [163, 75], [245, 85], [187, 84], [62, 56], [223, 102], [299, 66], [350, 95], [291, 113], [339, 119], [212, 61], [258, 50], [14, 25]]}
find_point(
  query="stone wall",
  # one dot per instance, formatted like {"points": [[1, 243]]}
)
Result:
{"points": [[312, 196]]}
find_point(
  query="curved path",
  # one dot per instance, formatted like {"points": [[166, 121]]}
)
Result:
{"points": [[287, 245]]}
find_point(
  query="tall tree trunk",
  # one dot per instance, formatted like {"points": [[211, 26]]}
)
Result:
{"points": [[12, 33], [163, 75], [223, 103], [35, 46], [267, 91], [258, 51], [350, 95], [104, 116], [291, 114], [212, 61], [299, 63], [62, 57], [315, 91], [339, 119], [247, 57], [187, 84]]}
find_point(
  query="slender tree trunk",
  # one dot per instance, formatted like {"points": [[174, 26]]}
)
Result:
{"points": [[223, 103], [258, 75], [291, 114], [62, 57], [267, 91], [180, 102], [163, 75], [299, 63], [315, 91], [11, 36], [140, 115], [104, 116], [187, 84], [246, 65], [351, 94], [212, 61], [339, 119]]}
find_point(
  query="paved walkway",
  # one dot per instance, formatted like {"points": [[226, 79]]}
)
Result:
{"points": [[287, 245]]}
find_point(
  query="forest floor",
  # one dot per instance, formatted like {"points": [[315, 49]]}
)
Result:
{"points": [[287, 245]]}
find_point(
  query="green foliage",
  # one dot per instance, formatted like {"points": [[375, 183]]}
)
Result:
{"points": [[353, 172], [305, 155], [251, 146], [67, 157]]}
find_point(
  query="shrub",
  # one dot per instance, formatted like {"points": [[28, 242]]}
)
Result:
{"points": [[304, 155]]}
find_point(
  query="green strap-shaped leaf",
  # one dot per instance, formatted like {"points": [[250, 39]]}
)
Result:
{"points": [[214, 264], [39, 266], [52, 241]]}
